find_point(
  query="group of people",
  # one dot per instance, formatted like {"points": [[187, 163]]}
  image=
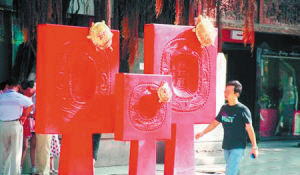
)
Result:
{"points": [[17, 135], [17, 121]]}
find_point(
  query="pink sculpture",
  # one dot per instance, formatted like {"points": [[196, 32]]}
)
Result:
{"points": [[175, 50], [142, 118]]}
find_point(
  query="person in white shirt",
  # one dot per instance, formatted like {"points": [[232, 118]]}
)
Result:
{"points": [[28, 89], [14, 109]]}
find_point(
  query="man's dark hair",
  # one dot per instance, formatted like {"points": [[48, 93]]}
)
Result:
{"points": [[3, 84], [237, 86], [12, 82], [27, 84]]}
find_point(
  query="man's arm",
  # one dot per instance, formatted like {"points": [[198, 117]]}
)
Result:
{"points": [[209, 128], [252, 137], [25, 114]]}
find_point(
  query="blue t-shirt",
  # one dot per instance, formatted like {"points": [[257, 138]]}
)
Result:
{"points": [[234, 119]]}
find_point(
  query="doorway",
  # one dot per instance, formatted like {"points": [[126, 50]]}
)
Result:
{"points": [[241, 66]]}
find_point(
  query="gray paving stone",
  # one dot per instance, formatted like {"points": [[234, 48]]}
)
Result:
{"points": [[276, 158]]}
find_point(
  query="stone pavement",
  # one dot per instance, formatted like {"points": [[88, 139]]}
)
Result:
{"points": [[123, 170], [276, 158]]}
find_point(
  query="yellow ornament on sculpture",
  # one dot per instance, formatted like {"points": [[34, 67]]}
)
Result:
{"points": [[164, 93], [100, 35], [205, 31]]}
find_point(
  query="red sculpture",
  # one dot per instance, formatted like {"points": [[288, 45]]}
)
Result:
{"points": [[142, 119], [175, 50], [75, 84]]}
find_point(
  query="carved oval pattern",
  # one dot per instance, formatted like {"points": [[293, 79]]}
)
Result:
{"points": [[145, 112], [81, 74], [190, 68]]}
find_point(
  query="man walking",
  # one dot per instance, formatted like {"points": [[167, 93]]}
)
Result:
{"points": [[236, 120], [14, 109]]}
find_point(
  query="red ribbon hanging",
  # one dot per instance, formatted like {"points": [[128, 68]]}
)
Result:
{"points": [[125, 34], [248, 28], [108, 13], [130, 37], [133, 45], [158, 7], [199, 7], [178, 13], [191, 12]]}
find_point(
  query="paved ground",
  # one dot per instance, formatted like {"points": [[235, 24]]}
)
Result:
{"points": [[276, 158]]}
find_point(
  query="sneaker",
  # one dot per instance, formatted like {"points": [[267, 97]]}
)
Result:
{"points": [[53, 171], [33, 170]]}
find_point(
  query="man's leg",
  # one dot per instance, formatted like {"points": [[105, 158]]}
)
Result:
{"points": [[32, 152], [4, 153], [42, 155], [226, 155], [25, 148], [233, 158], [17, 148], [11, 138]]}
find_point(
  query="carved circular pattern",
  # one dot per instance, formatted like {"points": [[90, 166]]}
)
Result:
{"points": [[145, 112], [85, 52], [74, 85], [190, 68]]}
